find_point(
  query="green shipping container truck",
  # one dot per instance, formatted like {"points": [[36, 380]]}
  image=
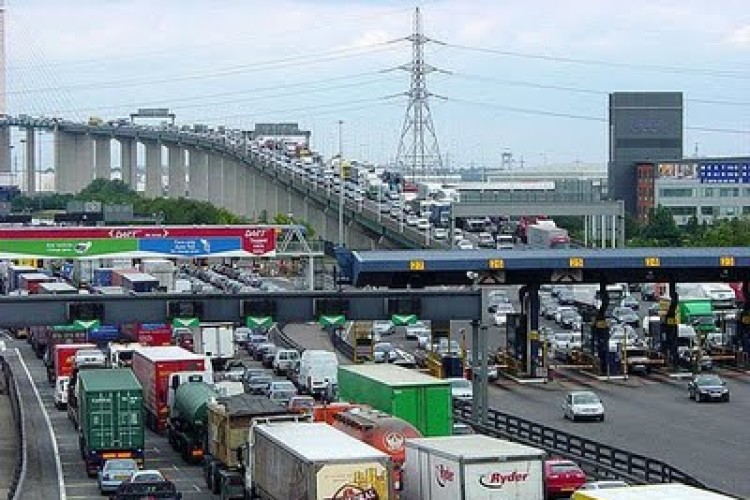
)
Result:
{"points": [[422, 400], [110, 404]]}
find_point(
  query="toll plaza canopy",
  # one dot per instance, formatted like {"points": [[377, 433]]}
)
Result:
{"points": [[180, 242], [417, 268]]}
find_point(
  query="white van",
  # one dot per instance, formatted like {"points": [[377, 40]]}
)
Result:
{"points": [[284, 359], [318, 372], [61, 392]]}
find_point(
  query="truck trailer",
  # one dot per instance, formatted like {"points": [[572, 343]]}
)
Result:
{"points": [[324, 463], [669, 491], [547, 236], [422, 400], [111, 417], [188, 420], [153, 366], [216, 342], [62, 360], [472, 466]]}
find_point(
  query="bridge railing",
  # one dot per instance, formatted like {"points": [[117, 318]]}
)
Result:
{"points": [[8, 386], [597, 459]]}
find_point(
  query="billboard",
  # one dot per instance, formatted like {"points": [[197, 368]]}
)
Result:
{"points": [[164, 241]]}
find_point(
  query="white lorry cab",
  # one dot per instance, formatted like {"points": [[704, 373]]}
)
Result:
{"points": [[318, 372], [61, 392]]}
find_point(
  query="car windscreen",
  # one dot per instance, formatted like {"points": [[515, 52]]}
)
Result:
{"points": [[585, 399]]}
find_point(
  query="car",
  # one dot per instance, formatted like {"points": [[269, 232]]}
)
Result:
{"points": [[115, 472], [423, 224], [579, 405], [440, 233], [284, 359], [381, 328], [268, 356], [234, 372], [384, 352], [559, 311], [565, 297], [630, 302], [461, 389], [301, 404], [461, 429], [568, 319], [258, 384], [253, 341], [147, 476], [464, 245], [708, 387], [412, 220], [603, 485], [485, 240], [281, 391], [261, 349], [626, 316], [415, 330], [495, 298], [562, 477], [423, 340]]}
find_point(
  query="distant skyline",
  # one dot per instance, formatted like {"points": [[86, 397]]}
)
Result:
{"points": [[528, 78]]}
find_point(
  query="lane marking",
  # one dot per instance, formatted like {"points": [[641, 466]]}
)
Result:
{"points": [[56, 451]]}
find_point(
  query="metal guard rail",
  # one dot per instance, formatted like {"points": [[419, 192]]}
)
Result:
{"points": [[284, 339], [599, 459], [9, 385], [341, 345]]}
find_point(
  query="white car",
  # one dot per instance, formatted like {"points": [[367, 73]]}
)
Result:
{"points": [[440, 233], [461, 389], [412, 220], [583, 405], [465, 245], [384, 352], [381, 328], [413, 332], [423, 224]]}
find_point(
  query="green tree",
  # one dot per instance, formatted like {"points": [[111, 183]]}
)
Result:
{"points": [[661, 229]]}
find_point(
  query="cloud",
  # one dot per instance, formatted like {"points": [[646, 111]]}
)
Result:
{"points": [[740, 37]]}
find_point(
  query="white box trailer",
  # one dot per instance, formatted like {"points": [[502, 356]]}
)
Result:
{"points": [[315, 461], [670, 491], [215, 341], [472, 467]]}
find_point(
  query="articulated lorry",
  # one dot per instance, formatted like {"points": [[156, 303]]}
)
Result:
{"points": [[188, 419], [111, 417], [229, 421], [472, 466], [154, 367], [313, 461], [422, 400], [547, 236]]}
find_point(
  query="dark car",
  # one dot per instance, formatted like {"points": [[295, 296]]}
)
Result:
{"points": [[261, 349], [626, 316], [268, 356], [258, 384], [708, 387], [253, 341]]}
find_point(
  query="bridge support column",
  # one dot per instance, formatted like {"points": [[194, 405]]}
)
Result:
{"points": [[261, 198], [84, 152], [176, 171], [128, 162], [74, 161], [5, 159], [600, 333], [534, 358], [215, 180], [229, 180], [252, 194], [243, 179], [31, 161], [103, 154], [198, 172], [154, 180]]}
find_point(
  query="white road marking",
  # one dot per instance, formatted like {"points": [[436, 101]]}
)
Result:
{"points": [[58, 464]]}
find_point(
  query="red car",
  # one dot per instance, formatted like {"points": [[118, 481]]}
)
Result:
{"points": [[562, 477]]}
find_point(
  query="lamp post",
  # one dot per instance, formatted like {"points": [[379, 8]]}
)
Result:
{"points": [[341, 185]]}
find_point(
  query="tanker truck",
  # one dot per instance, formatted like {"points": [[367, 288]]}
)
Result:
{"points": [[188, 419]]}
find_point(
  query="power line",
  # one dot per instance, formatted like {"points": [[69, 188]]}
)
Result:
{"points": [[298, 60], [610, 64]]}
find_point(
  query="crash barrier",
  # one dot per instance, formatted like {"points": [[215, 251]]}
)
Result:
{"points": [[600, 460], [340, 343], [8, 386], [277, 333]]}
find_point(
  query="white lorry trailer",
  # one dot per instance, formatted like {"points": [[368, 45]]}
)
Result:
{"points": [[547, 236], [216, 342], [472, 466], [314, 461]]}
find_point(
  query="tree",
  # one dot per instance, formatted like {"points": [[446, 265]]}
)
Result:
{"points": [[661, 229]]}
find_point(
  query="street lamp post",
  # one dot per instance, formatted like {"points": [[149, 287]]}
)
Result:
{"points": [[341, 185]]}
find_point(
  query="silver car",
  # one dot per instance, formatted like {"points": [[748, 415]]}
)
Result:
{"points": [[114, 473]]}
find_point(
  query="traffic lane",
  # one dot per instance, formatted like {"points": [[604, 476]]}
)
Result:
{"points": [[159, 454], [654, 418]]}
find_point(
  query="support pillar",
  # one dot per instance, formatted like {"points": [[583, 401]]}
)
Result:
{"points": [[215, 180], [128, 162], [176, 171], [103, 155], [534, 357], [31, 169], [240, 196], [475, 402], [252, 195], [5, 159], [64, 163], [154, 187], [198, 172], [229, 180], [84, 161], [261, 196]]}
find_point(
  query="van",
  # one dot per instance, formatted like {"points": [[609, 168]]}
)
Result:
{"points": [[61, 392], [318, 372], [283, 360]]}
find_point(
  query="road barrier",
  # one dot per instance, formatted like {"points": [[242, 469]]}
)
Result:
{"points": [[597, 459], [282, 338], [9, 387]]}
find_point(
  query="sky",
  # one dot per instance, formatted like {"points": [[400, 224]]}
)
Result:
{"points": [[530, 78]]}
